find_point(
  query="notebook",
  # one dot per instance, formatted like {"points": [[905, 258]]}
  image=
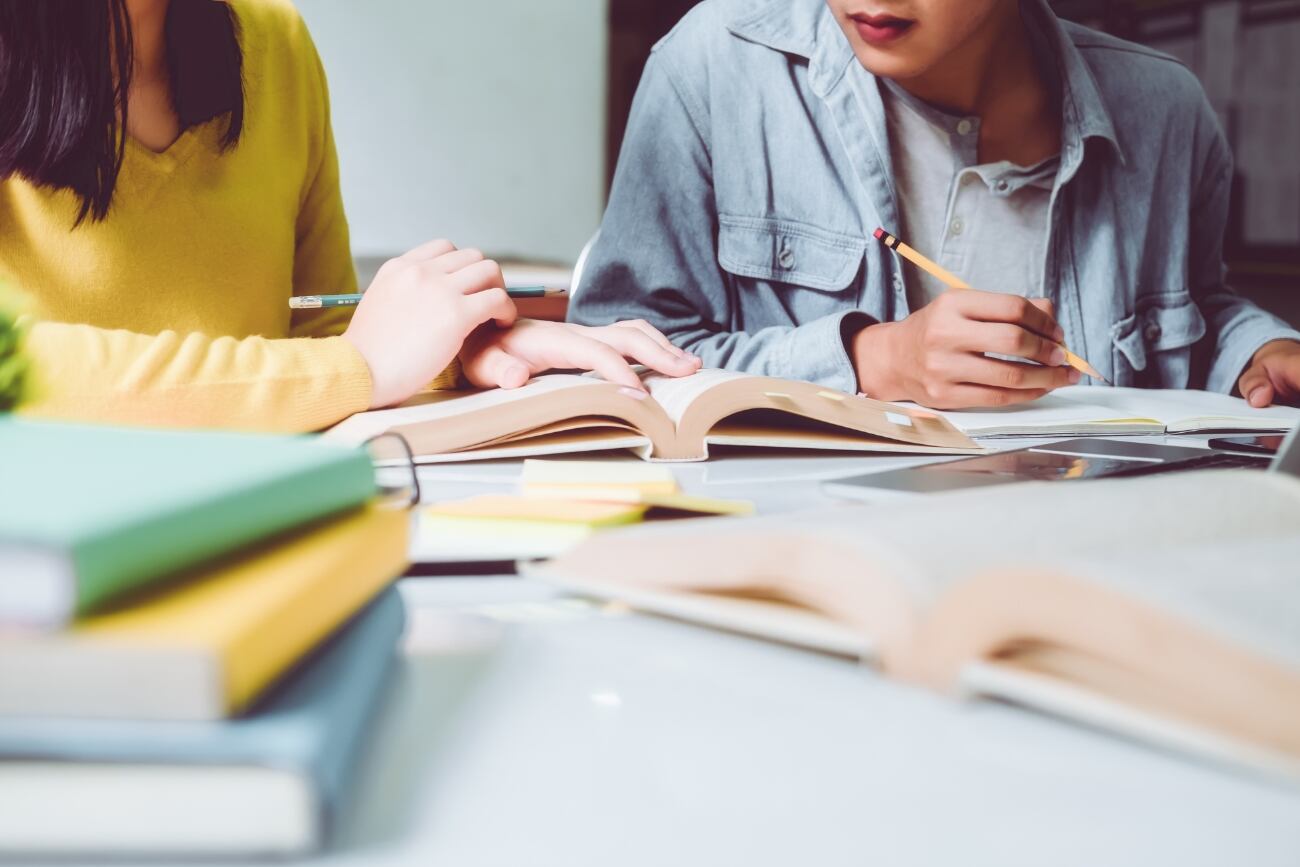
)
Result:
{"points": [[208, 644], [90, 513], [564, 413], [1080, 410], [1162, 608], [269, 784]]}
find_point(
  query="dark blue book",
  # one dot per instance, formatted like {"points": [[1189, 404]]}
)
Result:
{"points": [[269, 783]]}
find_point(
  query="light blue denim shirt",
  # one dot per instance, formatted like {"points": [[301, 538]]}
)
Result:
{"points": [[757, 164]]}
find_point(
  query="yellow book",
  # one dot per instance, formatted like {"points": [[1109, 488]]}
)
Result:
{"points": [[208, 646]]}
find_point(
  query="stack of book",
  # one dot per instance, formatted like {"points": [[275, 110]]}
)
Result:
{"points": [[194, 631]]}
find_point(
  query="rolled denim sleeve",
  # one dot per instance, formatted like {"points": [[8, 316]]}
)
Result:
{"points": [[657, 259], [1239, 327]]}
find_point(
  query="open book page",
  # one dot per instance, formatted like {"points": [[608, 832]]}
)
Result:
{"points": [[1244, 591], [590, 435], [1082, 705], [879, 569], [1187, 410], [723, 408], [945, 537], [1195, 647], [676, 395], [436, 406], [1080, 410], [767, 577], [1073, 410]]}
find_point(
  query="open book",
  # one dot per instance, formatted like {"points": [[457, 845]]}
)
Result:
{"points": [[1164, 608], [562, 413], [1080, 410]]}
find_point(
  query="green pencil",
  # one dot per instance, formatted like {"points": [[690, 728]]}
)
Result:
{"points": [[311, 302]]}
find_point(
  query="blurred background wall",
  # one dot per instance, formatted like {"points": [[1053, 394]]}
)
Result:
{"points": [[480, 122], [511, 114], [1247, 56]]}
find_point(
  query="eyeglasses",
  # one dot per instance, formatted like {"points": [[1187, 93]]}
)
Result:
{"points": [[395, 473]]}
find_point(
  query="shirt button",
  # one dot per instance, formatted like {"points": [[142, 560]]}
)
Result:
{"points": [[1151, 331], [964, 126], [1001, 186], [786, 256], [957, 227]]}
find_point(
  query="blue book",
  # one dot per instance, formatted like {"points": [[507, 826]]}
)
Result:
{"points": [[269, 783]]}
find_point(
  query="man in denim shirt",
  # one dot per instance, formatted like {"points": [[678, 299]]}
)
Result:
{"points": [[760, 156]]}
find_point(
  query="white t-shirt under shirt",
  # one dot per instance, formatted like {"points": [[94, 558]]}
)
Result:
{"points": [[985, 223]]}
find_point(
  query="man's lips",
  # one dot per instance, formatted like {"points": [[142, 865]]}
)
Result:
{"points": [[881, 29]]}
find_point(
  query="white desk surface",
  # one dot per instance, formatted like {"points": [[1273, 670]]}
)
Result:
{"points": [[585, 737], [526, 729]]}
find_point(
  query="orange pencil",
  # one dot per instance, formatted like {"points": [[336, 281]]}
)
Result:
{"points": [[952, 281]]}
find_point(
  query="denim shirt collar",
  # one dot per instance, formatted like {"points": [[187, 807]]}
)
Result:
{"points": [[808, 29]]}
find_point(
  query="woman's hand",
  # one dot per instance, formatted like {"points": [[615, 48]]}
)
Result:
{"points": [[936, 357], [507, 358], [418, 311], [1273, 375]]}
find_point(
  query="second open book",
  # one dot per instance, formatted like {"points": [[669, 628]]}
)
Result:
{"points": [[1082, 410], [1165, 608]]}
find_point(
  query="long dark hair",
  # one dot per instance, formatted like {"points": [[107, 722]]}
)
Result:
{"points": [[65, 71]]}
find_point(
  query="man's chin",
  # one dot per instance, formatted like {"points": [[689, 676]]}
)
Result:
{"points": [[887, 65], [895, 63]]}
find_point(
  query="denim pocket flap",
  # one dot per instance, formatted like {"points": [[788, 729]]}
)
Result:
{"points": [[783, 251], [1161, 323]]}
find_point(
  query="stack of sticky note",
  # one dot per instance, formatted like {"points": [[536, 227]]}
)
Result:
{"points": [[559, 504], [193, 631]]}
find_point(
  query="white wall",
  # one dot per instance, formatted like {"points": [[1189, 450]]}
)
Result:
{"points": [[483, 122]]}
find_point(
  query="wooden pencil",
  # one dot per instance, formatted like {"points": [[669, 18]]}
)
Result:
{"points": [[311, 302], [952, 281]]}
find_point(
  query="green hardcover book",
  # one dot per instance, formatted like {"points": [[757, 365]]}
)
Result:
{"points": [[88, 514]]}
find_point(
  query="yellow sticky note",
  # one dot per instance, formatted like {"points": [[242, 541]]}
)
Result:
{"points": [[700, 505], [506, 507], [577, 479]]}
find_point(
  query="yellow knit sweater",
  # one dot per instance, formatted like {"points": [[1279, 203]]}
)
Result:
{"points": [[173, 311]]}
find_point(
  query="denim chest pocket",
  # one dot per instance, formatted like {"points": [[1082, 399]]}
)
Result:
{"points": [[784, 251], [1153, 347]]}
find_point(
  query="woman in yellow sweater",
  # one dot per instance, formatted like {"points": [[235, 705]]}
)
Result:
{"points": [[168, 179]]}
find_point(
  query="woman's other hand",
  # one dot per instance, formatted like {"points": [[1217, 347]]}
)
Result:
{"points": [[509, 357]]}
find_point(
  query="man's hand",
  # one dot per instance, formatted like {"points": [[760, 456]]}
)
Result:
{"points": [[1273, 375], [494, 357], [936, 357]]}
